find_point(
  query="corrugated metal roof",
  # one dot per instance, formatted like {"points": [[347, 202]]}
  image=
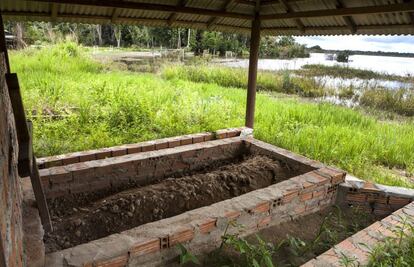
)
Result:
{"points": [[278, 17]]}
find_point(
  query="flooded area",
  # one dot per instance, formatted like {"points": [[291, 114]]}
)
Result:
{"points": [[403, 66]]}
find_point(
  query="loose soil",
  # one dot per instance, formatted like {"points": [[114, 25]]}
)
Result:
{"points": [[172, 196]]}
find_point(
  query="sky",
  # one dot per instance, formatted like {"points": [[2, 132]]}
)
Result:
{"points": [[402, 44]]}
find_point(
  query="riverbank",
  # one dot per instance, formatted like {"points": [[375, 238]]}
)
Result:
{"points": [[78, 104]]}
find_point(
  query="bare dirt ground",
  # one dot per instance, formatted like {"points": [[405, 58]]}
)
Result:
{"points": [[172, 196]]}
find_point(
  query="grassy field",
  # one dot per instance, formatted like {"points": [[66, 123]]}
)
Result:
{"points": [[78, 104]]}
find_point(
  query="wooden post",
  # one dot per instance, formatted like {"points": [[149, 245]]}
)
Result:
{"points": [[3, 46], [253, 59]]}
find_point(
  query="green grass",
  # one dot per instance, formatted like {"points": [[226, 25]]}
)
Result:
{"points": [[348, 73], [282, 82], [95, 107]]}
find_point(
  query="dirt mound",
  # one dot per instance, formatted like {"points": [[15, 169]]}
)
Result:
{"points": [[170, 197]]}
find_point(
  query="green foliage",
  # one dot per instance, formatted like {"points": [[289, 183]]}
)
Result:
{"points": [[346, 72], [343, 56], [284, 47], [93, 107], [281, 82], [186, 256], [400, 101], [397, 251]]}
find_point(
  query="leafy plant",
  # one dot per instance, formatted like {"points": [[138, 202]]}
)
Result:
{"points": [[186, 256]]}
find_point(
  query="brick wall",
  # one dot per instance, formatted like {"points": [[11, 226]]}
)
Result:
{"points": [[359, 246], [378, 199], [200, 230], [136, 169], [11, 233], [96, 154]]}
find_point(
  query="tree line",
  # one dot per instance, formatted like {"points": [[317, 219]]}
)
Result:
{"points": [[143, 37]]}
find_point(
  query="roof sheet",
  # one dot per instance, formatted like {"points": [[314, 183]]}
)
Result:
{"points": [[278, 17]]}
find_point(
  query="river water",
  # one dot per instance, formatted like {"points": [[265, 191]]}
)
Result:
{"points": [[392, 65]]}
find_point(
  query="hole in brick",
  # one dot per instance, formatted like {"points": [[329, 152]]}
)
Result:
{"points": [[277, 202]]}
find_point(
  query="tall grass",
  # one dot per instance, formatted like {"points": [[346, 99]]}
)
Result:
{"points": [[347, 72], [95, 108], [282, 82]]}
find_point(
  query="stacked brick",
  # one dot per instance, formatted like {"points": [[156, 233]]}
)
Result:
{"points": [[377, 199], [11, 232], [84, 156], [200, 230], [357, 248], [137, 169]]}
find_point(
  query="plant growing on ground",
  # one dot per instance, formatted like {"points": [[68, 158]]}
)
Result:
{"points": [[186, 256], [397, 250]]}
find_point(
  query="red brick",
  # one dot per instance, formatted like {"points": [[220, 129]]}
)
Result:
{"points": [[86, 156], [119, 261], [59, 175], [133, 148], [319, 193], [181, 236], [161, 145], [263, 222], [289, 195], [186, 140], [103, 153], [261, 208], [356, 197], [320, 180], [207, 226], [148, 146], [337, 176], [370, 187], [306, 196], [198, 138], [174, 143], [145, 247], [232, 214], [221, 134], [208, 137], [398, 201], [118, 151], [70, 160]]}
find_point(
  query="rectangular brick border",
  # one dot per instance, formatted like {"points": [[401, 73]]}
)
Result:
{"points": [[359, 245], [201, 229], [378, 199], [96, 154]]}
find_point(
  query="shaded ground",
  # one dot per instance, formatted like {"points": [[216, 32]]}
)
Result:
{"points": [[293, 243], [172, 196]]}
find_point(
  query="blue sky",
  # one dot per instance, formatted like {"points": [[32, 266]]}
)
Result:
{"points": [[366, 43]]}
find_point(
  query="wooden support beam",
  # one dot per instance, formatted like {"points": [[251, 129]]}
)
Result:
{"points": [[348, 19], [40, 197], [115, 14], [27, 165], [3, 45], [150, 6], [411, 14], [55, 11], [173, 16], [350, 11], [253, 61], [23, 136], [224, 8], [289, 9]]}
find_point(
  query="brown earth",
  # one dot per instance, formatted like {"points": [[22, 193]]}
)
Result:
{"points": [[172, 196]]}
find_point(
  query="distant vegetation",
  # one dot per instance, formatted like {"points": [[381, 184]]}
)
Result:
{"points": [[348, 73], [142, 37], [78, 104]]}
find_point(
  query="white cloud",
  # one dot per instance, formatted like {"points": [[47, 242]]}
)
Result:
{"points": [[403, 44]]}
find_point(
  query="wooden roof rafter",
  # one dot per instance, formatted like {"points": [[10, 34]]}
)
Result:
{"points": [[227, 15]]}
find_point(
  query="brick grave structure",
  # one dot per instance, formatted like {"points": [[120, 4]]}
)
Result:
{"points": [[312, 188]]}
